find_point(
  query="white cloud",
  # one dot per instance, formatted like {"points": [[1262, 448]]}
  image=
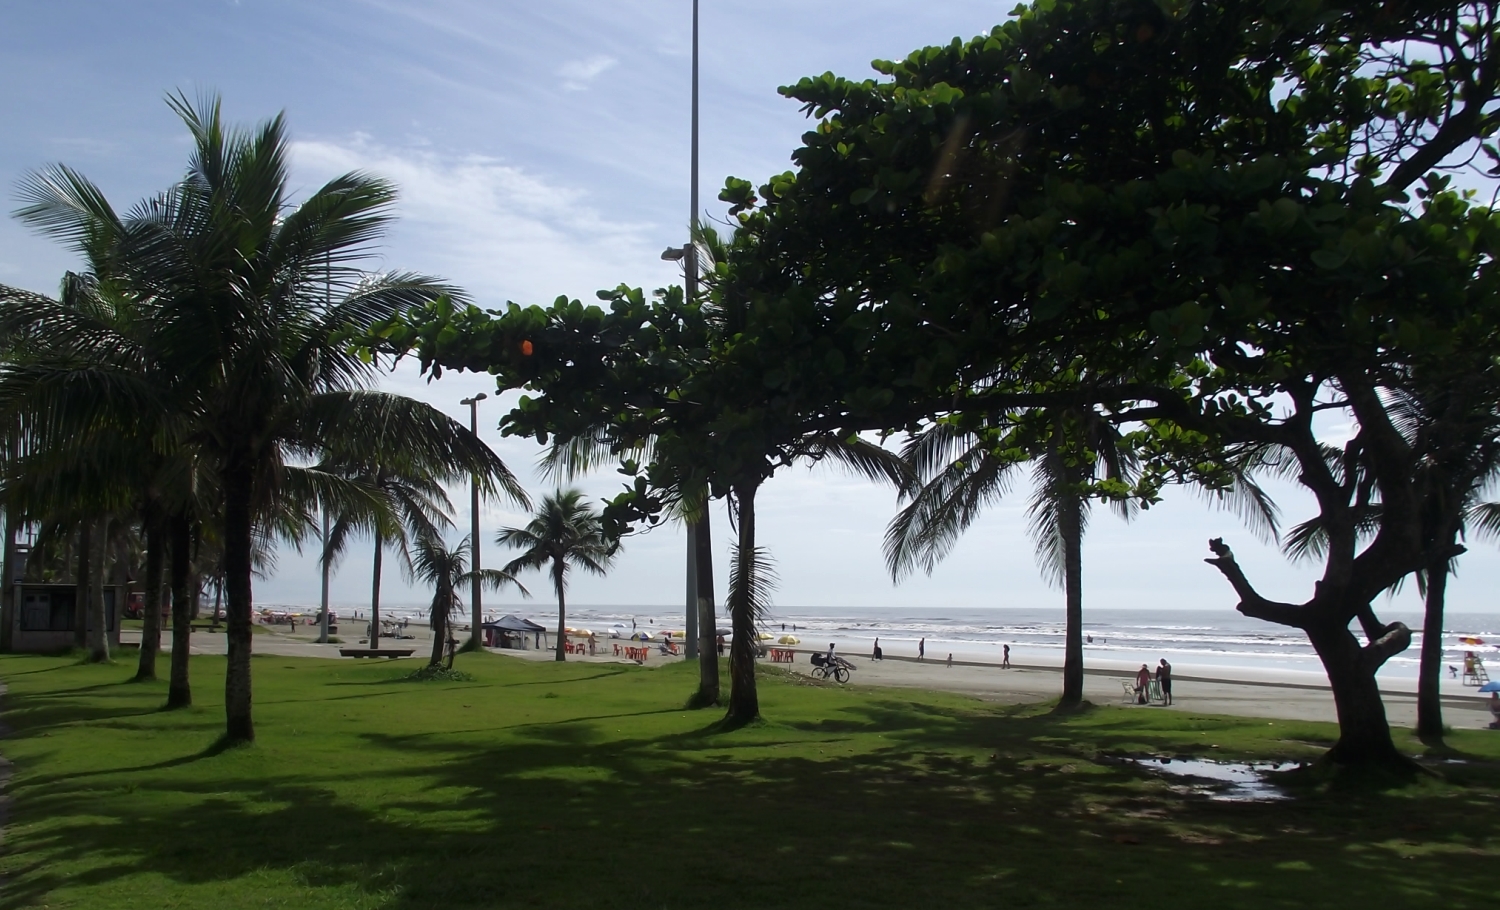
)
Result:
{"points": [[495, 228], [577, 74]]}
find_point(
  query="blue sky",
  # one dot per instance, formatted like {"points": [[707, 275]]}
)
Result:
{"points": [[542, 149]]}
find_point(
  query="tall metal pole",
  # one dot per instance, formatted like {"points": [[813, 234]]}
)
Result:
{"points": [[690, 286], [476, 635]]}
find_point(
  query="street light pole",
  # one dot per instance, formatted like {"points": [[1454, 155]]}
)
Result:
{"points": [[476, 635], [690, 287]]}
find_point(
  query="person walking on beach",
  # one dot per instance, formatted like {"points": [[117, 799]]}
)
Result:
{"points": [[921, 649], [950, 658], [1005, 659], [1142, 684], [1164, 680], [875, 653]]}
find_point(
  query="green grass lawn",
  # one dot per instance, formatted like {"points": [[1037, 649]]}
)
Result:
{"points": [[586, 785]]}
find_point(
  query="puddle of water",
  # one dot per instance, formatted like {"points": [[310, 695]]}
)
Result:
{"points": [[1224, 781]]}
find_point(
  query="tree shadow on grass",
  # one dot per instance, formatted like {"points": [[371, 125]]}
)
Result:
{"points": [[905, 800]]}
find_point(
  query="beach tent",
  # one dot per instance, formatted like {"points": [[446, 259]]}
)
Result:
{"points": [[513, 632]]}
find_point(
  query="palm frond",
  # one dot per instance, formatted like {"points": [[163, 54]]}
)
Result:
{"points": [[754, 573]]}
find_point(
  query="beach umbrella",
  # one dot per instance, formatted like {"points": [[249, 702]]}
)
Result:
{"points": [[1490, 687], [1471, 639]]}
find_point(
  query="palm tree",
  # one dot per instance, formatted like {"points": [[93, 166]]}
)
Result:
{"points": [[565, 533], [251, 297], [447, 570], [416, 509], [1077, 449], [965, 475]]}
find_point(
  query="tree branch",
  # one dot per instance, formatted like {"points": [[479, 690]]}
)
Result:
{"points": [[1395, 638], [1251, 603]]}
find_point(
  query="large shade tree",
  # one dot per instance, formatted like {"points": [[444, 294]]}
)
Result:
{"points": [[1232, 212]]}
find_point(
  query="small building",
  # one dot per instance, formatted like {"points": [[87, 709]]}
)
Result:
{"points": [[45, 615], [513, 632]]}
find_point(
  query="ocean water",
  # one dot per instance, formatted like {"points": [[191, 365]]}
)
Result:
{"points": [[1211, 642]]}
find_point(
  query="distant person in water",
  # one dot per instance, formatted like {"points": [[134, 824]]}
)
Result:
{"points": [[921, 649], [875, 654], [1164, 679], [1142, 684], [1005, 659], [1089, 639]]}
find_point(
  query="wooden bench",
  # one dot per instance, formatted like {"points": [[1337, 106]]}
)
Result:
{"points": [[377, 652]]}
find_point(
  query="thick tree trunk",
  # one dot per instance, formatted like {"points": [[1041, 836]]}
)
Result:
{"points": [[151, 597], [1364, 733], [708, 649], [1070, 520], [744, 702], [179, 691], [1430, 667], [375, 593], [238, 518], [81, 596], [562, 607], [98, 625]]}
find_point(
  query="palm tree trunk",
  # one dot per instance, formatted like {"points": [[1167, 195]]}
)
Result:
{"points": [[744, 703], [238, 518], [8, 604], [179, 691], [151, 599], [81, 585], [98, 633], [439, 634], [1430, 667], [562, 606], [375, 593], [708, 652], [1070, 529]]}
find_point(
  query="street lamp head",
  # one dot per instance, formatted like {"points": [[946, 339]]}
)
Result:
{"points": [[674, 253], [475, 400]]}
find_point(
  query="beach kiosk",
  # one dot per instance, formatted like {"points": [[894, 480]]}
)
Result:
{"points": [[45, 613], [514, 633]]}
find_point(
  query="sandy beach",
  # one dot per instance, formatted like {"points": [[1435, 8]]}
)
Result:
{"points": [[1270, 694]]}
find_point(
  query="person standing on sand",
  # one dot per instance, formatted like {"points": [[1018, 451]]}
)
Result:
{"points": [[1142, 684], [1164, 679], [921, 649], [1005, 659], [875, 652], [950, 658], [721, 646]]}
